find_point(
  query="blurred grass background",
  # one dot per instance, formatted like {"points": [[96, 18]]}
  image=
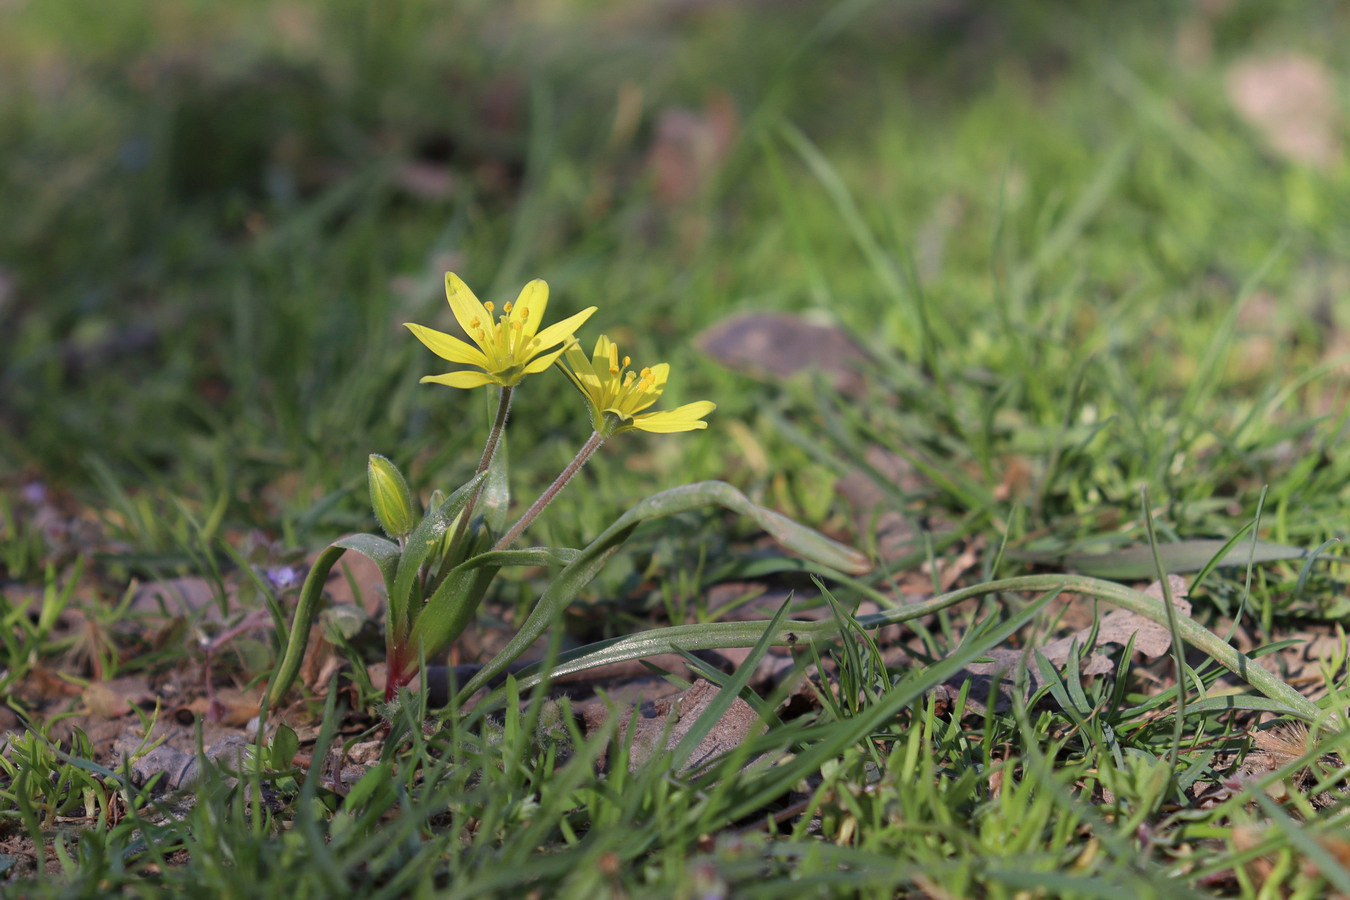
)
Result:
{"points": [[1038, 218]]}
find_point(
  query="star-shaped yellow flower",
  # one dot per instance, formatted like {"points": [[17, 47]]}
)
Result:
{"points": [[508, 348], [618, 396]]}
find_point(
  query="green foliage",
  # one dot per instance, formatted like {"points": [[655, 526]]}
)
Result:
{"points": [[1074, 272], [25, 632]]}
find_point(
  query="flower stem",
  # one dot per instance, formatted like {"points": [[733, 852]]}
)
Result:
{"points": [[489, 450], [587, 449], [498, 425]]}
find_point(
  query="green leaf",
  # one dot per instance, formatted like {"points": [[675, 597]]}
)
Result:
{"points": [[1230, 702], [425, 538], [310, 592], [1050, 677], [1137, 564], [382, 552], [285, 744], [448, 612], [380, 779], [452, 607]]}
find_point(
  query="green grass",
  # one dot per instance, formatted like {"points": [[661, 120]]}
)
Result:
{"points": [[1081, 280]]}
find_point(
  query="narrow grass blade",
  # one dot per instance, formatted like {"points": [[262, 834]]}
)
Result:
{"points": [[728, 693], [1326, 862], [1051, 678], [573, 579], [839, 736], [722, 635], [1178, 652]]}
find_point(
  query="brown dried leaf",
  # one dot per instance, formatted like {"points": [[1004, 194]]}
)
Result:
{"points": [[228, 707], [1151, 638]]}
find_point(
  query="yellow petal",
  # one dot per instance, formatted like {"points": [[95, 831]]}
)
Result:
{"points": [[580, 364], [447, 347], [561, 331], [684, 418], [464, 304], [600, 357], [579, 371], [461, 379], [529, 307], [540, 363]]}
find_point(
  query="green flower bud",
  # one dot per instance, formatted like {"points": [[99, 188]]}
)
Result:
{"points": [[390, 497]]}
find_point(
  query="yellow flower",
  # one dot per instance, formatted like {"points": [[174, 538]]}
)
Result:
{"points": [[618, 396], [507, 349]]}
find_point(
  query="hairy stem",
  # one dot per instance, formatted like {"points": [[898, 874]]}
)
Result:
{"points": [[489, 450], [587, 449]]}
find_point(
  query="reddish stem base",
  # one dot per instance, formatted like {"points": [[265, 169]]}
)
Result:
{"points": [[399, 673]]}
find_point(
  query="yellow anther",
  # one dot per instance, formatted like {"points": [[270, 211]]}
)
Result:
{"points": [[646, 372], [488, 306], [516, 325], [626, 361], [506, 307], [525, 313]]}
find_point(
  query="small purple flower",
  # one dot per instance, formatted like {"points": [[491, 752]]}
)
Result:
{"points": [[34, 493], [282, 577]]}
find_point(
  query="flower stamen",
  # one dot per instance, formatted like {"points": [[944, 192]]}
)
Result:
{"points": [[618, 396], [506, 344]]}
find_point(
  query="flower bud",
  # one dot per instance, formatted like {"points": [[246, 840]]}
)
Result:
{"points": [[390, 497]]}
